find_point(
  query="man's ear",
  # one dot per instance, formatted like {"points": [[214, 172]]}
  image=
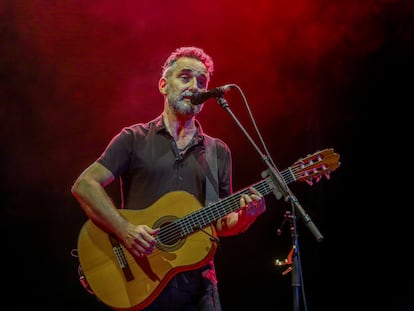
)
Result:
{"points": [[162, 85]]}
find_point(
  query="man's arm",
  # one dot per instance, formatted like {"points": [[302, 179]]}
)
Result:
{"points": [[89, 190]]}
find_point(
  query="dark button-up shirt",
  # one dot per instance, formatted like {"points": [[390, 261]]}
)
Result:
{"points": [[146, 159]]}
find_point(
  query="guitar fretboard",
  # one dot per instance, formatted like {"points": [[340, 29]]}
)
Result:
{"points": [[210, 213], [312, 167]]}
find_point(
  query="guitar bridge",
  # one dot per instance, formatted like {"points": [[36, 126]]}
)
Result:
{"points": [[120, 257]]}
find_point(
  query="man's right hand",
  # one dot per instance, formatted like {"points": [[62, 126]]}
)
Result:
{"points": [[140, 240]]}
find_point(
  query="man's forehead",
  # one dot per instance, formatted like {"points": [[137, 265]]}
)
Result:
{"points": [[191, 64]]}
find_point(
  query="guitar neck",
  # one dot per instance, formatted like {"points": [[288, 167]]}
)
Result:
{"points": [[207, 215]]}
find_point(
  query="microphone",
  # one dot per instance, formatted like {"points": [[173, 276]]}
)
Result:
{"points": [[201, 97]]}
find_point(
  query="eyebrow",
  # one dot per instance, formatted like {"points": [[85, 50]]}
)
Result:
{"points": [[186, 70]]}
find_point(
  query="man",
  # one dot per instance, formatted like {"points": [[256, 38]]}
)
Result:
{"points": [[167, 154]]}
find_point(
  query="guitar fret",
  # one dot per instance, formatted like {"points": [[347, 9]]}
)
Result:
{"points": [[205, 216]]}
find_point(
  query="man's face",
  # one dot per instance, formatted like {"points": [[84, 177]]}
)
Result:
{"points": [[188, 76]]}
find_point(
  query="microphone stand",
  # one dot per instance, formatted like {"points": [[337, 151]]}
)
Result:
{"points": [[282, 190]]}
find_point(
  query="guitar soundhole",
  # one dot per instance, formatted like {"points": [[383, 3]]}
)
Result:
{"points": [[169, 237]]}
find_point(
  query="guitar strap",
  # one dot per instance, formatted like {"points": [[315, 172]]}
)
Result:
{"points": [[212, 192]]}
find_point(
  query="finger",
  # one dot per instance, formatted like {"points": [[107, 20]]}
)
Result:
{"points": [[243, 201], [248, 198], [136, 252], [148, 240], [143, 249], [154, 232], [255, 193], [144, 245]]}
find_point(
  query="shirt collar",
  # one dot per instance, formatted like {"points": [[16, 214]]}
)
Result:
{"points": [[160, 125]]}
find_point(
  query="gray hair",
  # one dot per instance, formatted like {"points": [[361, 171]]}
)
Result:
{"points": [[188, 51]]}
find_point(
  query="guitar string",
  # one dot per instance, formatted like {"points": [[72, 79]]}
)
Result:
{"points": [[172, 232], [197, 220]]}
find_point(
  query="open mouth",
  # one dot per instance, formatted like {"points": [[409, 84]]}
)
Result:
{"points": [[187, 96]]}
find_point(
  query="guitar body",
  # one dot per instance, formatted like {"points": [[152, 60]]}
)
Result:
{"points": [[126, 283]]}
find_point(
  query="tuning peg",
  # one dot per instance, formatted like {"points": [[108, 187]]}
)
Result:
{"points": [[309, 181], [328, 176]]}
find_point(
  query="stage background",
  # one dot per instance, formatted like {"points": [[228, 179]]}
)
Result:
{"points": [[317, 74]]}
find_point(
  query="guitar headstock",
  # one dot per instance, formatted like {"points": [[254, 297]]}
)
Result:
{"points": [[314, 166]]}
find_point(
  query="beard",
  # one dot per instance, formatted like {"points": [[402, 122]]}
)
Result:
{"points": [[183, 107]]}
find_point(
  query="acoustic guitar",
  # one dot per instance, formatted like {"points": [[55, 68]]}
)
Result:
{"points": [[187, 239]]}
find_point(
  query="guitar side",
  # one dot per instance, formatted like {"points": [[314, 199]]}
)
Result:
{"points": [[126, 283]]}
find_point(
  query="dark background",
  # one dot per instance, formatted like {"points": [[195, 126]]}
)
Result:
{"points": [[317, 74]]}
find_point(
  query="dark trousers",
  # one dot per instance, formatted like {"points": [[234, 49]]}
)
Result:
{"points": [[194, 290]]}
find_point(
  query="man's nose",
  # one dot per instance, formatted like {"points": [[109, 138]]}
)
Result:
{"points": [[193, 84]]}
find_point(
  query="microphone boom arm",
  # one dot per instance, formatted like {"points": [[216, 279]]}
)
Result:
{"points": [[282, 189]]}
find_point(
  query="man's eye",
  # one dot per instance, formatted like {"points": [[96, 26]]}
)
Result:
{"points": [[201, 84]]}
